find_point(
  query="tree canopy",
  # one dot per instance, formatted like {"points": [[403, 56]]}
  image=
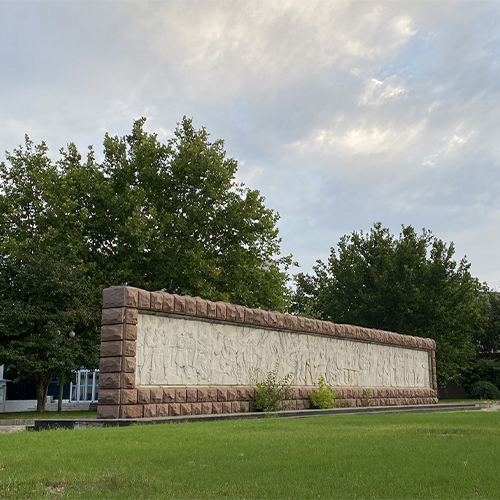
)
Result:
{"points": [[410, 284], [152, 215]]}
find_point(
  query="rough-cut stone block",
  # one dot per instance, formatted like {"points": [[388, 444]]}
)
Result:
{"points": [[304, 393], [260, 317], [109, 349], [191, 395], [132, 411], [231, 394], [120, 296], [129, 396], [287, 321], [180, 395], [206, 408], [328, 328], [129, 348], [131, 316], [110, 365], [130, 332], [144, 300], [242, 394], [190, 306], [186, 409], [201, 308], [211, 309], [221, 310], [292, 404], [201, 395], [113, 316], [174, 409], [221, 394], [318, 326], [196, 408], [168, 302], [240, 314], [109, 396], [109, 381], [236, 407], [226, 407], [162, 410], [216, 407], [273, 319], [248, 315], [301, 323], [299, 404], [156, 395], [294, 323], [169, 395], [244, 406], [230, 312], [212, 395], [128, 364], [144, 395], [179, 304], [156, 301], [149, 411], [111, 332], [128, 380], [280, 321], [310, 325], [108, 411]]}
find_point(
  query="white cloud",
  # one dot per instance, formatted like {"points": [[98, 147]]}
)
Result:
{"points": [[342, 113]]}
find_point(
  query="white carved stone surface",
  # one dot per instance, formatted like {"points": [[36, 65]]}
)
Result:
{"points": [[178, 351]]}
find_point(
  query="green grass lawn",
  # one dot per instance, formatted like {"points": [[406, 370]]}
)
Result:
{"points": [[441, 455], [33, 415]]}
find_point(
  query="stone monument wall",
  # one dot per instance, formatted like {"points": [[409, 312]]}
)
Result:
{"points": [[169, 355]]}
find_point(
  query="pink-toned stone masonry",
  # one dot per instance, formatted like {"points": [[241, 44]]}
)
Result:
{"points": [[120, 398]]}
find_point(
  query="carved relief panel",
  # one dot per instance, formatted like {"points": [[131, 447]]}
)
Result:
{"points": [[179, 351]]}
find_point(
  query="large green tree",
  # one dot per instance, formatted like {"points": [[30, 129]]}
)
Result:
{"points": [[410, 284], [177, 220], [46, 289], [152, 215]]}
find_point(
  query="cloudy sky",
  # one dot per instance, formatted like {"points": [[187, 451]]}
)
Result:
{"points": [[341, 113]]}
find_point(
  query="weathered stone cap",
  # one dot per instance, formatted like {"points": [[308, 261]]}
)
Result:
{"points": [[163, 302]]}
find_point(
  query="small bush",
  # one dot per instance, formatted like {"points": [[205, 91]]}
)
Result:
{"points": [[484, 390], [272, 392], [368, 397], [324, 397]]}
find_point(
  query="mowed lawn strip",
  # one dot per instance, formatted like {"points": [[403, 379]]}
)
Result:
{"points": [[442, 455]]}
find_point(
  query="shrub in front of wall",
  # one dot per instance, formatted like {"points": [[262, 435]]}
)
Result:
{"points": [[484, 390], [271, 394], [324, 397]]}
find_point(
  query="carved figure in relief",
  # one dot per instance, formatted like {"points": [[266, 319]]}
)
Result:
{"points": [[181, 362]]}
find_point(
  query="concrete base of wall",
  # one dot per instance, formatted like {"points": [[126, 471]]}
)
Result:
{"points": [[124, 422]]}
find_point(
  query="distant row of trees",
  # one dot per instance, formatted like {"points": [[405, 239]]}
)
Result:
{"points": [[172, 217]]}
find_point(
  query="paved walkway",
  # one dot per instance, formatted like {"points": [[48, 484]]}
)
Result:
{"points": [[7, 429]]}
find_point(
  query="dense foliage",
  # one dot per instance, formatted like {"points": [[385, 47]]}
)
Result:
{"points": [[410, 285], [324, 397], [152, 215], [271, 393]]}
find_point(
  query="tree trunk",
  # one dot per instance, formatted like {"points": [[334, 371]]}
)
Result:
{"points": [[60, 380], [42, 381]]}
